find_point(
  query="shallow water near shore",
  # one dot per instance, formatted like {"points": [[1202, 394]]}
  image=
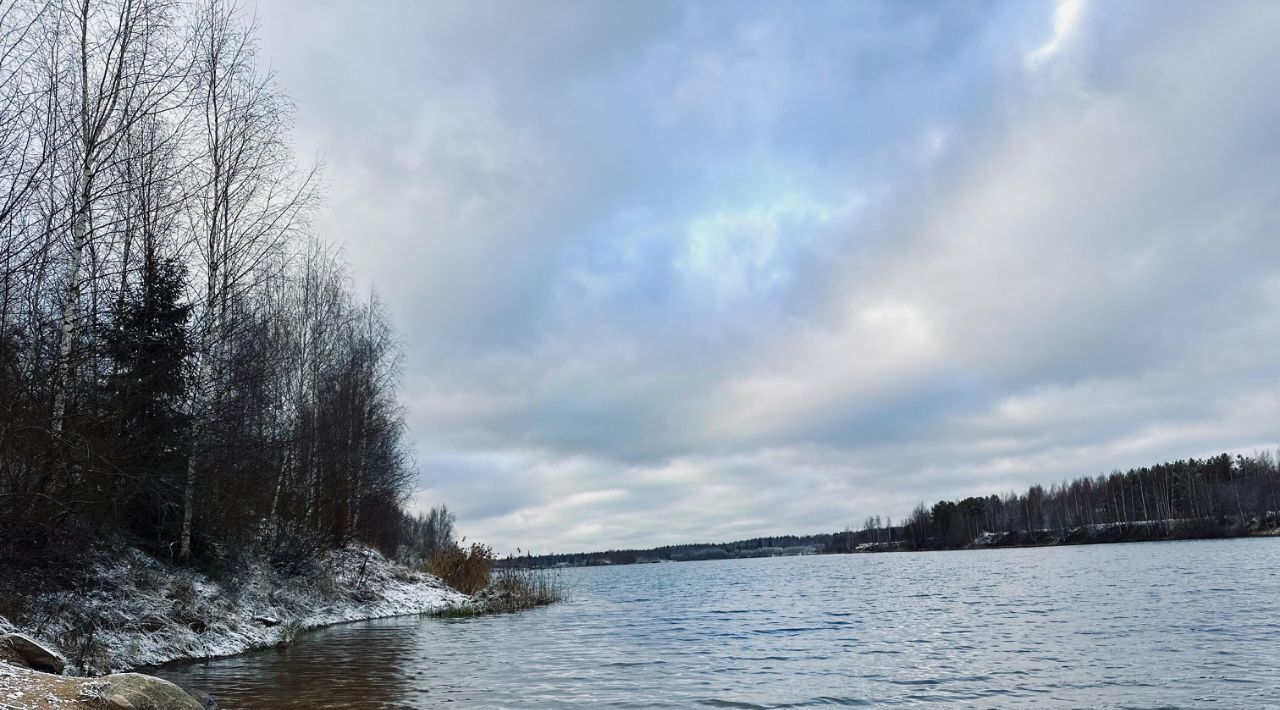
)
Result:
{"points": [[1171, 624]]}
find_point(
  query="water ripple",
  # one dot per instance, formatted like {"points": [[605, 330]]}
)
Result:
{"points": [[1149, 625]]}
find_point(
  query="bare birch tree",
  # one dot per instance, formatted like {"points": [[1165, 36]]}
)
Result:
{"points": [[251, 199]]}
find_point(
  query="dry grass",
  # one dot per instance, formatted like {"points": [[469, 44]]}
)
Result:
{"points": [[516, 589], [512, 590], [465, 570]]}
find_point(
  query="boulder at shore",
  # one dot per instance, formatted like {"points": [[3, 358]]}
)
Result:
{"points": [[134, 691], [27, 652], [21, 687]]}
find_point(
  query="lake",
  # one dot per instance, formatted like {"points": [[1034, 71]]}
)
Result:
{"points": [[1171, 624]]}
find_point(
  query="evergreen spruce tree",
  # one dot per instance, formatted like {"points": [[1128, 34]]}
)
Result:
{"points": [[148, 347]]}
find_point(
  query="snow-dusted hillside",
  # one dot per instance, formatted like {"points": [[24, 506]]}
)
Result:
{"points": [[132, 610]]}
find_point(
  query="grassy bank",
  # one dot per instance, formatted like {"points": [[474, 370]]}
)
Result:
{"points": [[117, 609]]}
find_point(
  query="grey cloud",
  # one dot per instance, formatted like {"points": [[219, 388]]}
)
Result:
{"points": [[674, 271]]}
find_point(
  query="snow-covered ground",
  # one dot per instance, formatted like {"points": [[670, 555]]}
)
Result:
{"points": [[138, 611], [22, 688], [1173, 528]]}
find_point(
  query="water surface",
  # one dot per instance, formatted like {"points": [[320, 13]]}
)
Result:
{"points": [[1177, 624]]}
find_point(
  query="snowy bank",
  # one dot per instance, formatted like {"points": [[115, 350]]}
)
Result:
{"points": [[1135, 531], [130, 610]]}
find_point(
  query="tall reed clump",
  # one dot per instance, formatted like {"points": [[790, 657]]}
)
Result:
{"points": [[465, 570], [515, 589], [506, 589]]}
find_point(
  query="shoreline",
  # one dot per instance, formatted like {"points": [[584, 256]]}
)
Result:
{"points": [[1100, 534], [405, 593], [1069, 537], [137, 612]]}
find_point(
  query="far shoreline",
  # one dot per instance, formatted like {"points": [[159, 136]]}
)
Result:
{"points": [[1060, 538]]}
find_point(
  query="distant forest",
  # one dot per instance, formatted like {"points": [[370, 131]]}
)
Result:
{"points": [[1219, 496]]}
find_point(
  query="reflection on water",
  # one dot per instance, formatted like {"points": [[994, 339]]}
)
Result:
{"points": [[1138, 625]]}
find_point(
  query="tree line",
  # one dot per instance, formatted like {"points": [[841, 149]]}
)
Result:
{"points": [[1218, 496], [774, 546], [181, 358]]}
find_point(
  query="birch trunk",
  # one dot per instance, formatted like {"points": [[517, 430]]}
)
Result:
{"points": [[79, 237]]}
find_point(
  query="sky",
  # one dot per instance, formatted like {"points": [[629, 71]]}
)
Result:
{"points": [[704, 271]]}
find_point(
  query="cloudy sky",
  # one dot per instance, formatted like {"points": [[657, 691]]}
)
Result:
{"points": [[706, 271]]}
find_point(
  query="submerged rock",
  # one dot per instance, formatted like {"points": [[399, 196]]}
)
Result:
{"points": [[134, 691], [26, 651]]}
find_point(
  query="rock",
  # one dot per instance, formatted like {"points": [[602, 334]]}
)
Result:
{"points": [[134, 691], [30, 653], [206, 701]]}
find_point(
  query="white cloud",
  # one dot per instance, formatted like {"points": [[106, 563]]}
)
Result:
{"points": [[1066, 19]]}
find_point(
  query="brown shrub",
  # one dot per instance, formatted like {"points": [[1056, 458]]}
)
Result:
{"points": [[465, 570]]}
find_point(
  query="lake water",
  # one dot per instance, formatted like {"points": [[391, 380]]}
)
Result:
{"points": [[1175, 624]]}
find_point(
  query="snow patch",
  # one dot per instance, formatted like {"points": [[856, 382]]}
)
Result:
{"points": [[140, 611]]}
